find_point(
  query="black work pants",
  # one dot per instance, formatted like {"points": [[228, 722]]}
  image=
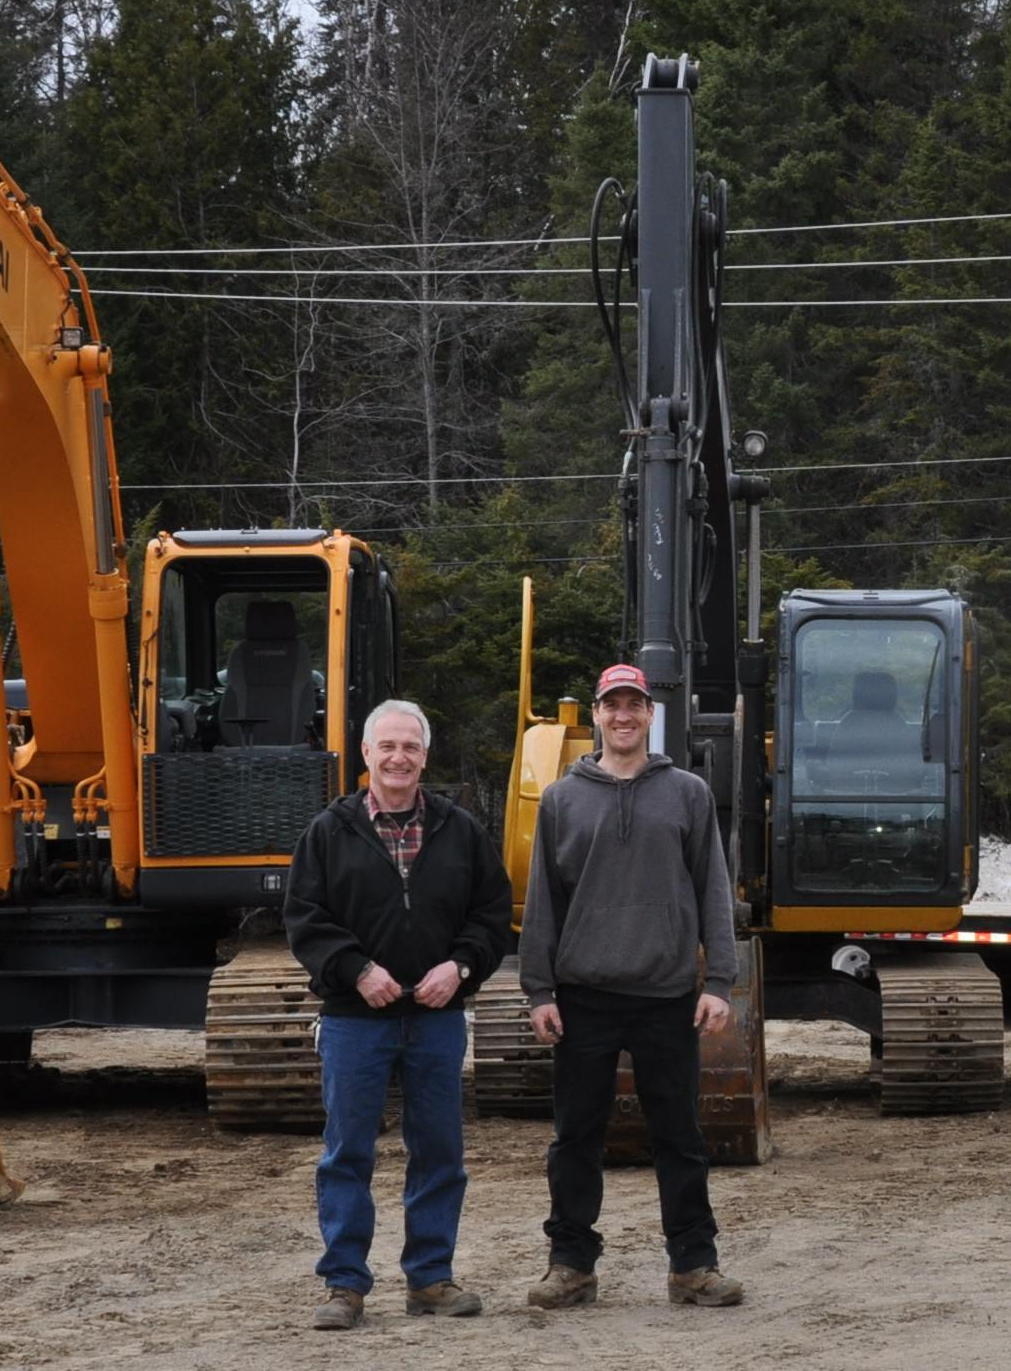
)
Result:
{"points": [[663, 1042]]}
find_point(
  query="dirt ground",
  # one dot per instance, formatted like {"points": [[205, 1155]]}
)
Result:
{"points": [[149, 1239]]}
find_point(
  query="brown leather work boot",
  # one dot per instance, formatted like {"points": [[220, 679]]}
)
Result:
{"points": [[444, 1297], [343, 1309], [704, 1285], [563, 1287]]}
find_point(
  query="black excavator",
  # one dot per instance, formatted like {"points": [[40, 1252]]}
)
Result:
{"points": [[851, 831]]}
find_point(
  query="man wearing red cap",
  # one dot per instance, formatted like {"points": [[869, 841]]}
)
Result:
{"points": [[627, 881]]}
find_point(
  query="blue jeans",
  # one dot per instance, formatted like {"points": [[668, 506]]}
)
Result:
{"points": [[358, 1056]]}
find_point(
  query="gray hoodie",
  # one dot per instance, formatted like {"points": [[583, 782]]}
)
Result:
{"points": [[627, 879]]}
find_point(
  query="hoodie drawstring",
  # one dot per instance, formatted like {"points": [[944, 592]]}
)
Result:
{"points": [[588, 766], [625, 805]]}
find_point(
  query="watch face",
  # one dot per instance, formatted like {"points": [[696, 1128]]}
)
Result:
{"points": [[463, 969]]}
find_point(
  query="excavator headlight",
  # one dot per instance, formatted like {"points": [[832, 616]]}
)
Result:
{"points": [[754, 443], [72, 338]]}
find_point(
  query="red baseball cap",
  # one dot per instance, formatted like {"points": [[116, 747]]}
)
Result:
{"points": [[621, 677]]}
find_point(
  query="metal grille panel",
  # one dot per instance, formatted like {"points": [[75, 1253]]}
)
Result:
{"points": [[232, 803]]}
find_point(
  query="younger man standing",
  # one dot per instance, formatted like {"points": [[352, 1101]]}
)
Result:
{"points": [[627, 880]]}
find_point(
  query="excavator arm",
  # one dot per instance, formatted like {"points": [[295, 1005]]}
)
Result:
{"points": [[61, 535]]}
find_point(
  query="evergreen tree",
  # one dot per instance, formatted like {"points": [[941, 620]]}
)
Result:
{"points": [[183, 131]]}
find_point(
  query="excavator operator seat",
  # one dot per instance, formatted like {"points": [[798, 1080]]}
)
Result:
{"points": [[872, 743], [270, 696]]}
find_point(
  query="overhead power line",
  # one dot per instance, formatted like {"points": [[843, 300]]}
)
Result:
{"points": [[876, 466], [343, 271], [437, 530], [438, 303], [336, 247], [383, 481], [552, 476], [862, 304], [527, 561], [874, 223], [355, 300], [833, 547], [920, 542], [889, 504], [460, 272], [851, 265], [542, 241]]}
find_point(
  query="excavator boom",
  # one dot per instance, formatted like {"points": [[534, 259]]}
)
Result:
{"points": [[61, 526]]}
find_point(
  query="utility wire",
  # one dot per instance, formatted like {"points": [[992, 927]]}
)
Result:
{"points": [[874, 223], [332, 247], [925, 542], [439, 303], [437, 529], [855, 263], [553, 476], [879, 304], [385, 481], [522, 242], [465, 528], [874, 466], [459, 272], [889, 504], [611, 517], [817, 547], [346, 271], [527, 561], [355, 300]]}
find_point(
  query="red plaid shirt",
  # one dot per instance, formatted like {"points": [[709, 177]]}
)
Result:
{"points": [[403, 844]]}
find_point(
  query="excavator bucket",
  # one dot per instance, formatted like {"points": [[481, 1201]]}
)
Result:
{"points": [[512, 1071], [10, 1187], [734, 1095], [733, 1098]]}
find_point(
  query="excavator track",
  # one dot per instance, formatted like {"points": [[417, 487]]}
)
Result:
{"points": [[513, 1072], [942, 1036], [261, 1065]]}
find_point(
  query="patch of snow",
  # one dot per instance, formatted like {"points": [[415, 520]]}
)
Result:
{"points": [[994, 870]]}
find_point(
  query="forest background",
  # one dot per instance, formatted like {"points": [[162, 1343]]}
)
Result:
{"points": [[343, 268]]}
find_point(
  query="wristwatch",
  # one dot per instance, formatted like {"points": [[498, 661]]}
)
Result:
{"points": [[463, 971]]}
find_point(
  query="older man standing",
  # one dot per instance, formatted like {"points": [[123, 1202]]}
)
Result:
{"points": [[627, 880], [397, 906]]}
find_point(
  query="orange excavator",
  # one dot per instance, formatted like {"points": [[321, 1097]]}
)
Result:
{"points": [[851, 831], [147, 795]]}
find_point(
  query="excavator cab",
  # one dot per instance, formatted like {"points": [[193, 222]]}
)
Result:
{"points": [[262, 652], [874, 846], [874, 777]]}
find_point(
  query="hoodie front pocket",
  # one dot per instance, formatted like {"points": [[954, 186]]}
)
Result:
{"points": [[620, 946]]}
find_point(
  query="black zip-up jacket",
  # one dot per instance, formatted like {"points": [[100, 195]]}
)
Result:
{"points": [[347, 904]]}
